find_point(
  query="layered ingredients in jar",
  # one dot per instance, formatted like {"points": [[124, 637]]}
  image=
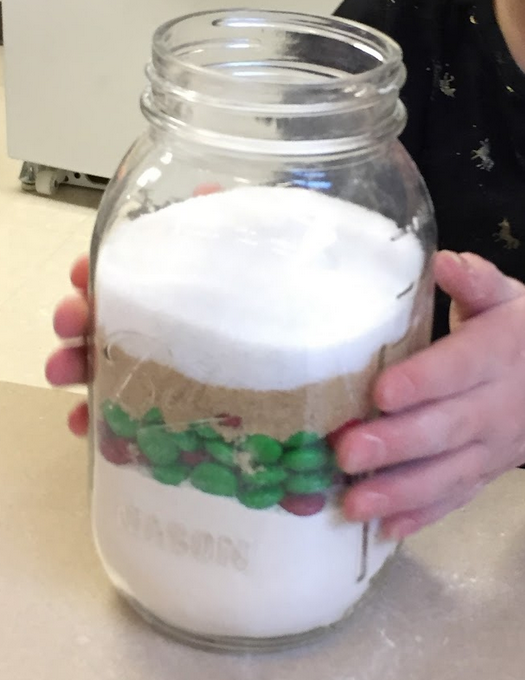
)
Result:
{"points": [[236, 334]]}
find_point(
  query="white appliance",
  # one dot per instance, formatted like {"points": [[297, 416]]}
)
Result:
{"points": [[74, 72]]}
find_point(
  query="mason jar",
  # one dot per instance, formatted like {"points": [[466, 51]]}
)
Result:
{"points": [[261, 254]]}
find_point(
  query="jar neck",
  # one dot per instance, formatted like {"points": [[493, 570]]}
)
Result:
{"points": [[275, 83]]}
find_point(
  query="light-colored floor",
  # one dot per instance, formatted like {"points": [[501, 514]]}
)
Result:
{"points": [[39, 239]]}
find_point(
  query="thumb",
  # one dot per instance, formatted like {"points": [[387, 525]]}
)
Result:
{"points": [[474, 284]]}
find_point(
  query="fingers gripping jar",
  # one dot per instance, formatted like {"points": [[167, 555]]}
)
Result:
{"points": [[261, 254]]}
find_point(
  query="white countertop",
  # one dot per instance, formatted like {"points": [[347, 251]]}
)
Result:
{"points": [[450, 606]]}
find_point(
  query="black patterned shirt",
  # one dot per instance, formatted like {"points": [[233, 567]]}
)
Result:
{"points": [[465, 97]]}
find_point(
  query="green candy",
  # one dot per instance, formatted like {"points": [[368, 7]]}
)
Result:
{"points": [[173, 475], [309, 483], [305, 460], [153, 417], [158, 444], [205, 431], [301, 440], [222, 452], [119, 421], [187, 441], [261, 499], [271, 476], [265, 450], [214, 479]]}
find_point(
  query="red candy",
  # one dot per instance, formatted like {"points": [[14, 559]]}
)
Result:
{"points": [[103, 431], [194, 458], [333, 438], [229, 421], [116, 450], [304, 506]]}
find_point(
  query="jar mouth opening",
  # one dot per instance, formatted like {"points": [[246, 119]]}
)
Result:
{"points": [[177, 49], [251, 78]]}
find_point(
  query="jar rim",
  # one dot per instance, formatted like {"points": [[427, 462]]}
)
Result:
{"points": [[388, 53], [327, 82]]}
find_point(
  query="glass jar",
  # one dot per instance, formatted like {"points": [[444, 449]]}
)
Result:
{"points": [[261, 254]]}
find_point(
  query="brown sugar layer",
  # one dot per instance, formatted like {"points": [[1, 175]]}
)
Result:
{"points": [[321, 407]]}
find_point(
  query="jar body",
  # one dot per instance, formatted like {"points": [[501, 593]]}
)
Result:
{"points": [[244, 304]]}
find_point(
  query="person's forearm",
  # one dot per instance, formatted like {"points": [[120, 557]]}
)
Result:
{"points": [[511, 18]]}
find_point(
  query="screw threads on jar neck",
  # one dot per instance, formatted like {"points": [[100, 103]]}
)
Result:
{"points": [[275, 83]]}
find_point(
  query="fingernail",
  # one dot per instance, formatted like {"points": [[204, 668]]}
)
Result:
{"points": [[369, 505], [466, 261], [462, 259], [368, 454], [453, 256]]}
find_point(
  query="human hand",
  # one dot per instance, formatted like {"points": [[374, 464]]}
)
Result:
{"points": [[69, 364], [454, 413]]}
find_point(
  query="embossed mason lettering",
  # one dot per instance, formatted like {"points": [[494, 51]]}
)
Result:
{"points": [[153, 532], [202, 546], [181, 541], [129, 518], [177, 536]]}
